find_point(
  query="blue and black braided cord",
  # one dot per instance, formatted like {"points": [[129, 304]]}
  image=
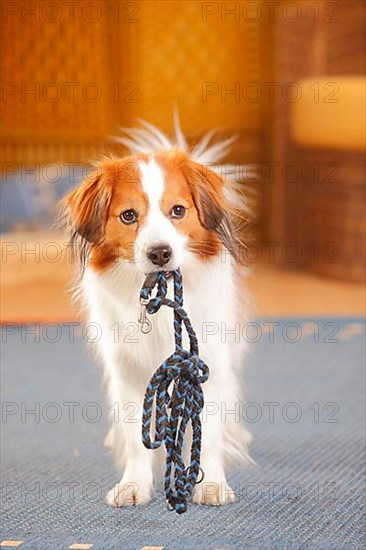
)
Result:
{"points": [[175, 409]]}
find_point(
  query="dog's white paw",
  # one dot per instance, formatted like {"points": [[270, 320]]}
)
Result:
{"points": [[127, 494], [109, 440], [213, 493]]}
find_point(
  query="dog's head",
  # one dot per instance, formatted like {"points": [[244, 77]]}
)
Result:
{"points": [[150, 211]]}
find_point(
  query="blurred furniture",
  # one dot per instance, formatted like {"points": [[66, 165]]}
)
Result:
{"points": [[318, 193]]}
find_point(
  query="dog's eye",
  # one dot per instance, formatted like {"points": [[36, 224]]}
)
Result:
{"points": [[128, 216], [178, 211]]}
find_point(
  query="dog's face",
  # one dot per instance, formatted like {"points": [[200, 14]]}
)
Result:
{"points": [[151, 211]]}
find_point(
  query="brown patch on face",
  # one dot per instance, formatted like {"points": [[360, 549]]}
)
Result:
{"points": [[119, 240], [178, 191], [95, 208]]}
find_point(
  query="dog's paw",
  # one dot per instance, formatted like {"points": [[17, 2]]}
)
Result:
{"points": [[109, 440], [127, 494], [213, 493]]}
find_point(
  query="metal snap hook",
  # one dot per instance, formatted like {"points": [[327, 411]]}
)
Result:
{"points": [[144, 321], [202, 476]]}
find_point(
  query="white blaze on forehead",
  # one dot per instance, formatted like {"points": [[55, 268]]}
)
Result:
{"points": [[153, 182], [157, 228]]}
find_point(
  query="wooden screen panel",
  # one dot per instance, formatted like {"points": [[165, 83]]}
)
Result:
{"points": [[56, 77]]}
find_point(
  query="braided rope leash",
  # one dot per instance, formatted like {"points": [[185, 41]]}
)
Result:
{"points": [[174, 411]]}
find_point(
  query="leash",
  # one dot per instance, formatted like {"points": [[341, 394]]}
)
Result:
{"points": [[174, 411]]}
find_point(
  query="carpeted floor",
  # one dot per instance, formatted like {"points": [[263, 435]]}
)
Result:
{"points": [[307, 490]]}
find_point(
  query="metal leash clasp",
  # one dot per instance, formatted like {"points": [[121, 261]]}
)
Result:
{"points": [[143, 319], [149, 283]]}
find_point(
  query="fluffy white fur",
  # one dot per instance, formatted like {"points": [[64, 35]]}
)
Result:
{"points": [[210, 296]]}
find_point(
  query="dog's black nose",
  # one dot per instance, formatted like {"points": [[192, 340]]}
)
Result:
{"points": [[159, 255]]}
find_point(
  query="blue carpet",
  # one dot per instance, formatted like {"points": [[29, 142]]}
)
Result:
{"points": [[307, 490]]}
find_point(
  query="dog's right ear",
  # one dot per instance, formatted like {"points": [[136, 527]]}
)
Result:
{"points": [[84, 213], [87, 207]]}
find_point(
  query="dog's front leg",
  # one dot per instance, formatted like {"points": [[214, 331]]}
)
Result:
{"points": [[132, 458], [214, 489]]}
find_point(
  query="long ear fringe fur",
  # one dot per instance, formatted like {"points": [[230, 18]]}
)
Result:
{"points": [[78, 247]]}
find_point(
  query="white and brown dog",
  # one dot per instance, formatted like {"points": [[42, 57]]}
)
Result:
{"points": [[162, 207]]}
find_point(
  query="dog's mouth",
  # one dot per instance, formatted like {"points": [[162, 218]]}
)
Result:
{"points": [[168, 274], [152, 278]]}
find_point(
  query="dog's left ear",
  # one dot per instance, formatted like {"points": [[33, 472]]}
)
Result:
{"points": [[208, 196]]}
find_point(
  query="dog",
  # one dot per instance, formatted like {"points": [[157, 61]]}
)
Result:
{"points": [[164, 206]]}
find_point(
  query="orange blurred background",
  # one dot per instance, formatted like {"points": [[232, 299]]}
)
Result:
{"points": [[287, 77]]}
